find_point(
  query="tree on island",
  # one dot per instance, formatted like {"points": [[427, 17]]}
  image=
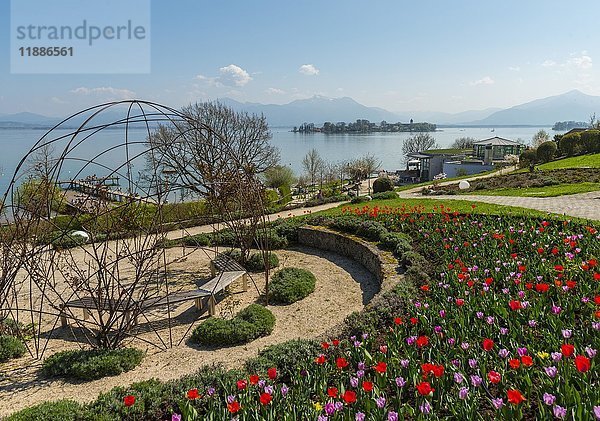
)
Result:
{"points": [[463, 143], [418, 142]]}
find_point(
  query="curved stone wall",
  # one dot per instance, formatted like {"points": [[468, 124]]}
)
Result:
{"points": [[382, 264]]}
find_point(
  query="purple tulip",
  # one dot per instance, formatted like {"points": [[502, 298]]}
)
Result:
{"points": [[360, 416], [400, 382], [425, 407], [551, 371], [549, 399], [463, 393], [498, 403], [380, 401], [392, 416], [559, 412]]}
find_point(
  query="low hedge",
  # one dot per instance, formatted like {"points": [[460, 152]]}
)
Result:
{"points": [[386, 195], [11, 347], [63, 410], [91, 364], [256, 262], [289, 357], [249, 324], [290, 285]]}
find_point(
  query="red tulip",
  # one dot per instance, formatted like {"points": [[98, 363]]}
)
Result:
{"points": [[349, 396], [527, 360], [193, 394], [242, 384], [488, 344], [381, 367], [424, 388], [367, 386], [272, 373], [514, 396], [129, 400], [494, 377], [397, 321], [320, 359], [582, 363], [332, 392], [265, 398], [514, 305], [341, 363], [233, 407], [422, 341], [254, 379], [514, 363], [567, 350]]}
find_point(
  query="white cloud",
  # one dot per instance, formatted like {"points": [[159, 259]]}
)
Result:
{"points": [[514, 69], [549, 63], [308, 70], [582, 62], [234, 75], [105, 91], [57, 100], [275, 91], [486, 80]]}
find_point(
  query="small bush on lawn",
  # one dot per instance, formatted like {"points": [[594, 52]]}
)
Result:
{"points": [[252, 322], [92, 364], [383, 184], [10, 347], [289, 357], [385, 195], [198, 240], [360, 199], [63, 410], [290, 285], [256, 262]]}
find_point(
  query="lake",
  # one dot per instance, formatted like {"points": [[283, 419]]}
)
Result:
{"points": [[338, 148]]}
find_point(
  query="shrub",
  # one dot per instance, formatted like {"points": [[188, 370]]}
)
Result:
{"points": [[290, 285], [331, 199], [197, 240], [288, 228], [383, 184], [570, 144], [396, 242], [271, 239], [63, 410], [251, 323], [527, 158], [385, 195], [256, 262], [63, 240], [546, 151], [360, 199], [11, 347], [92, 364], [289, 357]]}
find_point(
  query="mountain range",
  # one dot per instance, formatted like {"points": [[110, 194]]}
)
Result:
{"points": [[573, 105]]}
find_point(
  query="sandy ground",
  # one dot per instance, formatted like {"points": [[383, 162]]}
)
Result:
{"points": [[343, 286]]}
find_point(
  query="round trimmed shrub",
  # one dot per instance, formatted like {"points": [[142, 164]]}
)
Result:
{"points": [[383, 184], [256, 262], [290, 285], [289, 357], [546, 151], [249, 324], [92, 364], [10, 347]]}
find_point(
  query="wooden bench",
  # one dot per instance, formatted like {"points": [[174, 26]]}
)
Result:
{"points": [[209, 290], [224, 263]]}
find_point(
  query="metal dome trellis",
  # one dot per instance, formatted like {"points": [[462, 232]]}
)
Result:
{"points": [[44, 256]]}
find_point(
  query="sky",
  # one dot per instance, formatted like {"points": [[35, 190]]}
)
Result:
{"points": [[400, 55]]}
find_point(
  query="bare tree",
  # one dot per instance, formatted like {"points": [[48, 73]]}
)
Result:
{"points": [[212, 139], [313, 164], [418, 142], [463, 143], [539, 138]]}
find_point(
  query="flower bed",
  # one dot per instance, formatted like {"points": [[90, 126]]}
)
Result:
{"points": [[504, 325]]}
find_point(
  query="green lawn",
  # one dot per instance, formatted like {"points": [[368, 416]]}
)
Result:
{"points": [[589, 161], [462, 206], [549, 191]]}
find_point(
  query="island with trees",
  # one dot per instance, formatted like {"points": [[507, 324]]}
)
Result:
{"points": [[364, 126], [563, 126]]}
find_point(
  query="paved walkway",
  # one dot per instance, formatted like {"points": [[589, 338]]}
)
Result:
{"points": [[584, 205]]}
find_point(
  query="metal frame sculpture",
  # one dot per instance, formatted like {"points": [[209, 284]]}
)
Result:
{"points": [[48, 274]]}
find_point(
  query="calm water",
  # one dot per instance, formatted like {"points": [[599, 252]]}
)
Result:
{"points": [[387, 147]]}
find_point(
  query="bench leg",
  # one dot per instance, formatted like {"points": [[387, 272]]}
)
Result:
{"points": [[213, 270], [63, 320], [211, 305], [245, 282], [199, 303], [86, 314]]}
